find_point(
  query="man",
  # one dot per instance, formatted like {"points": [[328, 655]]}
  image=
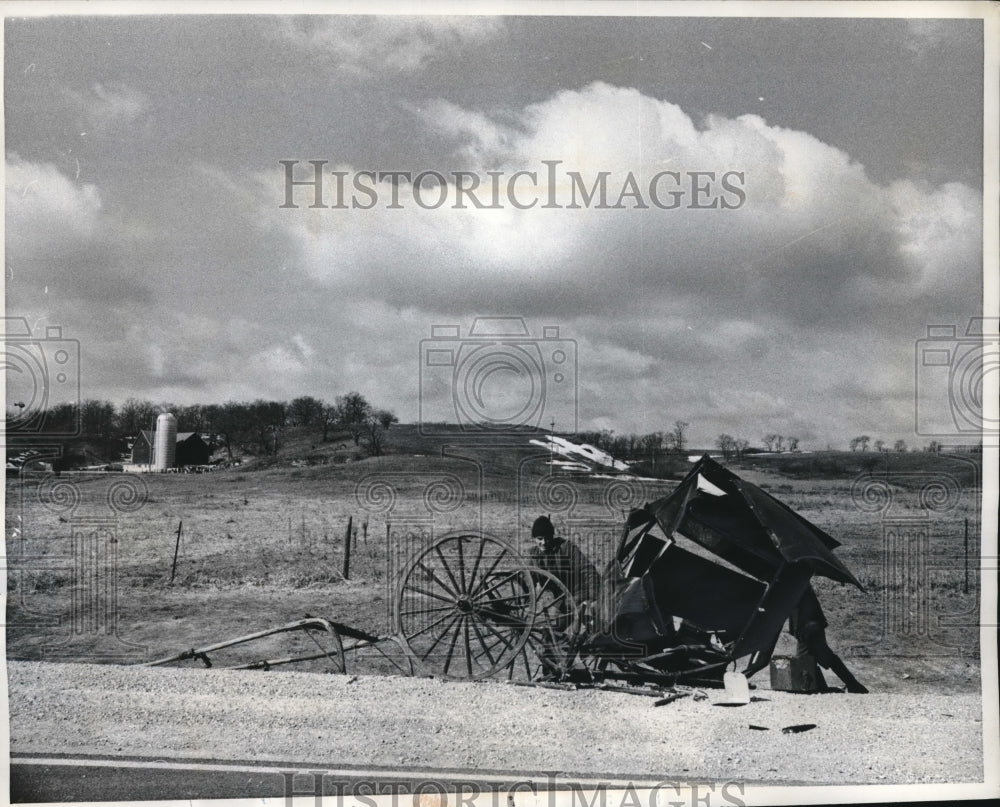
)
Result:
{"points": [[808, 625], [564, 560]]}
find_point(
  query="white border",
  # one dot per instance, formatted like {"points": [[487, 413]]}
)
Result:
{"points": [[845, 9]]}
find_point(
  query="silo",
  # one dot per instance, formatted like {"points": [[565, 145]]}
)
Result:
{"points": [[165, 445]]}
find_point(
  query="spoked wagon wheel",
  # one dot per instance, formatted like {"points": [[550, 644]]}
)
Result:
{"points": [[550, 650], [464, 607]]}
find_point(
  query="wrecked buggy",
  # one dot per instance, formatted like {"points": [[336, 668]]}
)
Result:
{"points": [[701, 578]]}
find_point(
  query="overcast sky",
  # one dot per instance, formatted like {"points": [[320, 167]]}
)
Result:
{"points": [[144, 216]]}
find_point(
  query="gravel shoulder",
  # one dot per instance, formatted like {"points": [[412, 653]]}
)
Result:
{"points": [[898, 738]]}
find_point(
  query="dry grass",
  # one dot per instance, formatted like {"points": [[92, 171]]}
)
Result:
{"points": [[260, 547]]}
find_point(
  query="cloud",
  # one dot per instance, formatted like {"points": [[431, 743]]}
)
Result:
{"points": [[794, 311], [40, 199], [924, 35], [108, 106], [62, 247], [814, 226], [684, 299], [365, 46]]}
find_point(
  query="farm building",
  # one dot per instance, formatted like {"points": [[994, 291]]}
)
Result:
{"points": [[191, 449]]}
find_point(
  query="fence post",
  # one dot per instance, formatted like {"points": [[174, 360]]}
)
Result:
{"points": [[177, 546], [347, 547], [966, 589]]}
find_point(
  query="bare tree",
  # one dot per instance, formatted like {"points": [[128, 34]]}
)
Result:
{"points": [[793, 443], [305, 411], [679, 434], [63, 418], [97, 418], [879, 445], [860, 442], [133, 416], [653, 443], [899, 445], [374, 434], [191, 418], [328, 420], [230, 424], [387, 418], [769, 440], [727, 444], [266, 421], [352, 414], [619, 447]]}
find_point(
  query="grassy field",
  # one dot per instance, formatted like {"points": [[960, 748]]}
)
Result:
{"points": [[91, 556]]}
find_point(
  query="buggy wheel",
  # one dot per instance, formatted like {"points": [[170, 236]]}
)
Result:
{"points": [[550, 650], [464, 607]]}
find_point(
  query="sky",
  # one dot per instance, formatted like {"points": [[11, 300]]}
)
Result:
{"points": [[145, 217]]}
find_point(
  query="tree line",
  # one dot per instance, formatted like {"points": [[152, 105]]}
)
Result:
{"points": [[632, 446], [254, 426], [862, 442]]}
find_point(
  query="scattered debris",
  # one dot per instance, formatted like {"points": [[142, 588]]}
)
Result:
{"points": [[758, 728], [798, 729], [737, 690]]}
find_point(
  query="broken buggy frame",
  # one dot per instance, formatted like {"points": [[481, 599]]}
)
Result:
{"points": [[328, 637], [470, 607], [459, 621], [701, 578]]}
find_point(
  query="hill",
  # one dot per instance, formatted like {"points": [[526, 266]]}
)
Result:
{"points": [[912, 469]]}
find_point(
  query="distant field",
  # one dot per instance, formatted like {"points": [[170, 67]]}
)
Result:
{"points": [[263, 547]]}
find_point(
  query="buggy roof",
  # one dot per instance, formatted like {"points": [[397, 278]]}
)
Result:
{"points": [[745, 526]]}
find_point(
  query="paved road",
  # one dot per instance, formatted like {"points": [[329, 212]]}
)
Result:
{"points": [[136, 728]]}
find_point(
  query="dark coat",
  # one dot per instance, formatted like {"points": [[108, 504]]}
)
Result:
{"points": [[565, 561]]}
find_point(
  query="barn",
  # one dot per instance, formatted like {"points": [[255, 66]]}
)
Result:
{"points": [[191, 449]]}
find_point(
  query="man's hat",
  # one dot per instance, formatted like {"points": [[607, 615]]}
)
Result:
{"points": [[542, 528]]}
